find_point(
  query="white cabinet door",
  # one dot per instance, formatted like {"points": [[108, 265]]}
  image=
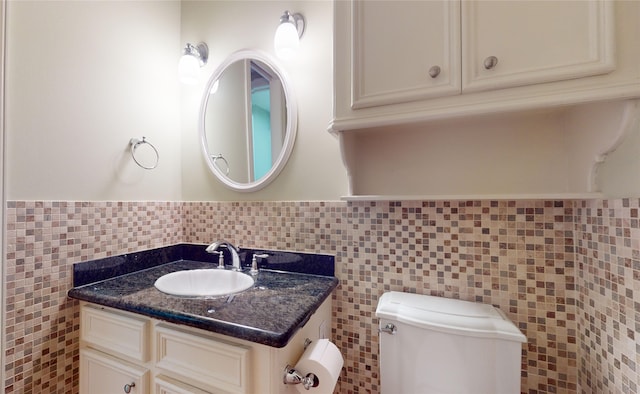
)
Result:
{"points": [[513, 43], [203, 361], [166, 385], [403, 51], [103, 374]]}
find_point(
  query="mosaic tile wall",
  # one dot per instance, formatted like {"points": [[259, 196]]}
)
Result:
{"points": [[44, 239], [518, 255], [608, 266]]}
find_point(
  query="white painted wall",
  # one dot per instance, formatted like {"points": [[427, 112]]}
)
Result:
{"points": [[82, 79], [511, 154], [315, 170]]}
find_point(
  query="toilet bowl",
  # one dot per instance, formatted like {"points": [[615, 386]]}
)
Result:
{"points": [[435, 345]]}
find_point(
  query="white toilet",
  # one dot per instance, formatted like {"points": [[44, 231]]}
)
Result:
{"points": [[435, 345]]}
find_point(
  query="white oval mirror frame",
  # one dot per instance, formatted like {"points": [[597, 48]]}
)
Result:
{"points": [[290, 129]]}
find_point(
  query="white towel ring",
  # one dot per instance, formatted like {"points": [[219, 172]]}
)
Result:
{"points": [[134, 143], [215, 159]]}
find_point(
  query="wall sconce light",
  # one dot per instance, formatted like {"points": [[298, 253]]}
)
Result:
{"points": [[193, 57], [288, 34]]}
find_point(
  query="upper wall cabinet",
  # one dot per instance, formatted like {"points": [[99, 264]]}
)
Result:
{"points": [[511, 43], [412, 61], [404, 51]]}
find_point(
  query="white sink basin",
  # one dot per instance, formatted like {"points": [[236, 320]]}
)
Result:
{"points": [[203, 282]]}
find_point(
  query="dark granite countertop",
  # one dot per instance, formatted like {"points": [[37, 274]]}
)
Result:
{"points": [[269, 313]]}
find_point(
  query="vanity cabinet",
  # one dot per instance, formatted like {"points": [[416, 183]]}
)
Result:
{"points": [[409, 61], [124, 352]]}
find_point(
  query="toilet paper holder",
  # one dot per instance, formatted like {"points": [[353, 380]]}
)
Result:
{"points": [[293, 376]]}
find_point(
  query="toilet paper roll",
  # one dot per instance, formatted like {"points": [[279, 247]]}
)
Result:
{"points": [[323, 359]]}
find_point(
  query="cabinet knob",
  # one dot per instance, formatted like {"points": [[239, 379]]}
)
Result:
{"points": [[434, 71], [490, 62], [127, 387]]}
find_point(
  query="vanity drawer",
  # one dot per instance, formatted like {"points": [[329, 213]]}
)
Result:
{"points": [[115, 332], [207, 362]]}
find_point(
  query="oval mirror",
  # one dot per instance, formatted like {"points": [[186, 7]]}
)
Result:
{"points": [[248, 121]]}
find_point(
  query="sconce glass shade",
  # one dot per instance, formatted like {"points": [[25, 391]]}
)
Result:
{"points": [[287, 38], [192, 59], [189, 69]]}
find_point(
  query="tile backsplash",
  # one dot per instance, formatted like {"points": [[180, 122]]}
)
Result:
{"points": [[566, 272]]}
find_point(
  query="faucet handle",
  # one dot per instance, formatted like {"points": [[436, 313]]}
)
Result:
{"points": [[220, 258], [213, 248], [254, 262]]}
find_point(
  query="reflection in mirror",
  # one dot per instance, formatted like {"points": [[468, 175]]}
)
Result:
{"points": [[268, 113], [247, 121]]}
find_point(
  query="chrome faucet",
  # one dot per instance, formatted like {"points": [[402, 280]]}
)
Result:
{"points": [[235, 257]]}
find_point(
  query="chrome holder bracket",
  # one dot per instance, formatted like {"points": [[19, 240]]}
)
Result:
{"points": [[293, 376]]}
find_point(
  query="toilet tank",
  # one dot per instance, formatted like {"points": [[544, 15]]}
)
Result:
{"points": [[435, 345]]}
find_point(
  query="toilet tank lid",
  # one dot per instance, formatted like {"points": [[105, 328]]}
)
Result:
{"points": [[448, 315]]}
